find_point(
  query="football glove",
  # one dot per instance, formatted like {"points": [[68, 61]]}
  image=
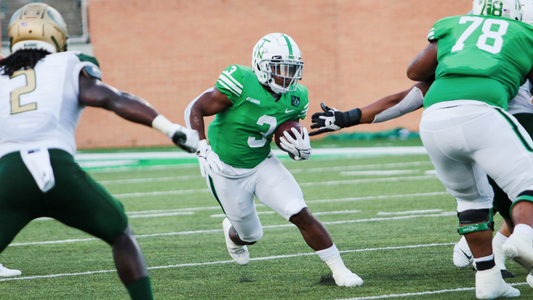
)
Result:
{"points": [[186, 139], [332, 119], [299, 147], [208, 159]]}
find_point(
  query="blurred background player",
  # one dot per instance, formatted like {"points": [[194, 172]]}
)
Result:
{"points": [[43, 90], [249, 104]]}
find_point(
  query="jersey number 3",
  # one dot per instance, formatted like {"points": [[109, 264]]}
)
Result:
{"points": [[16, 108], [494, 38]]}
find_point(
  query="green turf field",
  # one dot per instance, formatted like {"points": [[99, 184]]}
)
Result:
{"points": [[389, 215]]}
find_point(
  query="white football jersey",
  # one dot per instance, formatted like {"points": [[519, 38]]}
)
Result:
{"points": [[39, 107]]}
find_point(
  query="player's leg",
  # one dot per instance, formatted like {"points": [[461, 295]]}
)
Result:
{"points": [[277, 189], [512, 172], [78, 201], [19, 202], [450, 136], [502, 204], [242, 226]]}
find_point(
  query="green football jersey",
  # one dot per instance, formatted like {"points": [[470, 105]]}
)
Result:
{"points": [[481, 58], [241, 134]]}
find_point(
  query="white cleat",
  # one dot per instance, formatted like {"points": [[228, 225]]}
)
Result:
{"points": [[490, 285], [519, 247], [239, 253], [347, 279], [5, 272], [462, 256], [529, 280]]}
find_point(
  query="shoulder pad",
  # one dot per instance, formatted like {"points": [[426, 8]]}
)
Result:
{"points": [[93, 72]]}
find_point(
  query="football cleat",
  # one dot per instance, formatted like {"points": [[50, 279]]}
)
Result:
{"points": [[347, 279], [520, 248], [529, 279], [462, 256], [5, 272], [239, 253], [490, 285]]}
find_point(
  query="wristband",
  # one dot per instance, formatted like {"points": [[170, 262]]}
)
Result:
{"points": [[350, 118], [162, 124]]}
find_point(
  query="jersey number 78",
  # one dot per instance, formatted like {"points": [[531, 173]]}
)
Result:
{"points": [[495, 37]]}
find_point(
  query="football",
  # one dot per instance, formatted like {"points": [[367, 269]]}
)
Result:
{"points": [[286, 126]]}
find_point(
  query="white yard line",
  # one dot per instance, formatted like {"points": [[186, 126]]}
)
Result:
{"points": [[228, 261], [143, 180], [304, 184], [384, 213], [442, 214], [377, 173], [162, 212], [294, 171], [388, 296]]}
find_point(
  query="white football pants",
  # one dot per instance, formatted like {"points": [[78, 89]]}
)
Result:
{"points": [[270, 182], [467, 142]]}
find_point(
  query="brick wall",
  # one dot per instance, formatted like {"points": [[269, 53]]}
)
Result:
{"points": [[169, 51]]}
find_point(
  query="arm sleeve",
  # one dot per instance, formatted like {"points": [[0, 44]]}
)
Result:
{"points": [[411, 102]]}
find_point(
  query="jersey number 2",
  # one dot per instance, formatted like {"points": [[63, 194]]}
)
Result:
{"points": [[16, 108], [488, 34]]}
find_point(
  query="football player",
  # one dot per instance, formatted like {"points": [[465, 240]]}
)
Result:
{"points": [[249, 103], [463, 107], [43, 90], [398, 104]]}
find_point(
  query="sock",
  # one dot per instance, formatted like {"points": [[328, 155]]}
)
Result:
{"points": [[485, 263], [523, 228], [140, 289], [497, 243], [332, 257]]}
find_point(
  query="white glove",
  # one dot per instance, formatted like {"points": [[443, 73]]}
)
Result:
{"points": [[186, 139], [208, 159], [299, 147]]}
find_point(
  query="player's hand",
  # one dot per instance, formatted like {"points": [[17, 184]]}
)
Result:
{"points": [[186, 139], [208, 159], [299, 147], [325, 121]]}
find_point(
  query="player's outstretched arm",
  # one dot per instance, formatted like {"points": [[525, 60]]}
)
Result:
{"points": [[384, 109], [95, 93]]}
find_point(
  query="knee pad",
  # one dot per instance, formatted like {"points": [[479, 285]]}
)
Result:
{"points": [[483, 218], [523, 196]]}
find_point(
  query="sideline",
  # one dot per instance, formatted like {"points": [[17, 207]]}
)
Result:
{"points": [[97, 161]]}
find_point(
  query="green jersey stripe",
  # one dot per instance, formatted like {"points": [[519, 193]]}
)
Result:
{"points": [[228, 88], [232, 79], [431, 34], [229, 85]]}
